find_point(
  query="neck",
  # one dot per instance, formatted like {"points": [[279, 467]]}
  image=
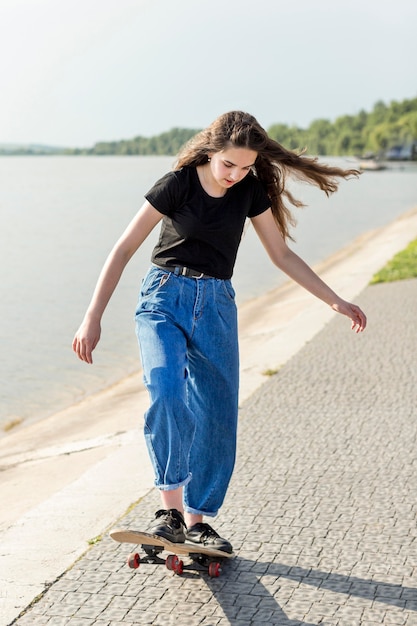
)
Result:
{"points": [[208, 183]]}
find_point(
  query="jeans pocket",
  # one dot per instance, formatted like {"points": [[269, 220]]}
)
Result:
{"points": [[153, 280], [229, 290]]}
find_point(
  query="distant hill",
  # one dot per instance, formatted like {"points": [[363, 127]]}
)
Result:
{"points": [[28, 149], [167, 143]]}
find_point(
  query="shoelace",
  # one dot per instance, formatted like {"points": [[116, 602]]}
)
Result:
{"points": [[171, 516], [207, 532]]}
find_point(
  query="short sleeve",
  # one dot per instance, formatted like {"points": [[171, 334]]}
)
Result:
{"points": [[165, 195], [260, 201]]}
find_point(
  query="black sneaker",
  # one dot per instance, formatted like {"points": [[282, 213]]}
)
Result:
{"points": [[205, 535], [169, 525]]}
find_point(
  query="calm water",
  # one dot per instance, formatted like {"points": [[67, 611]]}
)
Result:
{"points": [[59, 217]]}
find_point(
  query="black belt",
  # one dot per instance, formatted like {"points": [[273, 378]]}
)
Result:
{"points": [[181, 270]]}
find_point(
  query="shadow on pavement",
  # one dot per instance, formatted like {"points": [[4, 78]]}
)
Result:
{"points": [[255, 591]]}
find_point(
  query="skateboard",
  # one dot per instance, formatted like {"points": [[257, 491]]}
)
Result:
{"points": [[207, 558]]}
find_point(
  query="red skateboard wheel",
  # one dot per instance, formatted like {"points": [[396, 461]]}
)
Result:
{"points": [[174, 564], [214, 569], [133, 560]]}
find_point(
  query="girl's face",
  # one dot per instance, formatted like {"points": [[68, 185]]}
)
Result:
{"points": [[231, 165]]}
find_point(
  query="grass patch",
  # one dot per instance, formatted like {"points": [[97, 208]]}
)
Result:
{"points": [[270, 372], [402, 266], [12, 423], [94, 540]]}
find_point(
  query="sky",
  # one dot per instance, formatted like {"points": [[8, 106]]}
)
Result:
{"points": [[75, 72]]}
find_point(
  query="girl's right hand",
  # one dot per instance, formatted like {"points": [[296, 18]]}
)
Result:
{"points": [[85, 340], [88, 335]]}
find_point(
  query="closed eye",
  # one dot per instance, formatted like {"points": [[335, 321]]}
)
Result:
{"points": [[228, 164]]}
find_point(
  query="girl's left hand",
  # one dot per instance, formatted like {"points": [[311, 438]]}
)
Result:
{"points": [[353, 312]]}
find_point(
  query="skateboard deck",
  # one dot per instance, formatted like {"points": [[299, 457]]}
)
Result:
{"points": [[209, 558]]}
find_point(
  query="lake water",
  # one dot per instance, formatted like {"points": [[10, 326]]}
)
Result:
{"points": [[59, 217]]}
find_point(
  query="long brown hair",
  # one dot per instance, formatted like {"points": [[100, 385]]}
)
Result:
{"points": [[273, 163]]}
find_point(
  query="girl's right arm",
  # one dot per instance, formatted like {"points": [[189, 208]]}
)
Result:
{"points": [[88, 334]]}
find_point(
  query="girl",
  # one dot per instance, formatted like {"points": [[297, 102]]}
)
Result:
{"points": [[186, 316]]}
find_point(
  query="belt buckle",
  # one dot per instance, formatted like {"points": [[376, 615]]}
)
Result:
{"points": [[186, 271]]}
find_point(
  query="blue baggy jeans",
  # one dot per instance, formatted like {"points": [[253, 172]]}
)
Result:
{"points": [[187, 333]]}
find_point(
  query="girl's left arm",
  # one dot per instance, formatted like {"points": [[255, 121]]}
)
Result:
{"points": [[298, 270]]}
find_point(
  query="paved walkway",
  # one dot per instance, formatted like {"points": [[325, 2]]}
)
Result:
{"points": [[321, 510]]}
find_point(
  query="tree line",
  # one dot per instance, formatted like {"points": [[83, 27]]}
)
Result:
{"points": [[167, 143], [387, 125], [366, 132], [374, 132]]}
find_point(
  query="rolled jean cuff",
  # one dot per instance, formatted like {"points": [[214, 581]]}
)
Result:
{"points": [[172, 487], [188, 509]]}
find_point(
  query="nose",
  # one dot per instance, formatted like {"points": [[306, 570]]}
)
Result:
{"points": [[234, 174]]}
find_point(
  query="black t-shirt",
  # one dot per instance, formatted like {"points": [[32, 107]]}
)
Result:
{"points": [[199, 231]]}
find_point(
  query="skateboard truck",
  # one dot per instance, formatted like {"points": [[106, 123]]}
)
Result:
{"points": [[173, 562]]}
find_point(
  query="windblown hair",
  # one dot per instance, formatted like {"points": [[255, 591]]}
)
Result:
{"points": [[272, 166]]}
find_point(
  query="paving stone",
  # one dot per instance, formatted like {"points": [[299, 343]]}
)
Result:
{"points": [[60, 621]]}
